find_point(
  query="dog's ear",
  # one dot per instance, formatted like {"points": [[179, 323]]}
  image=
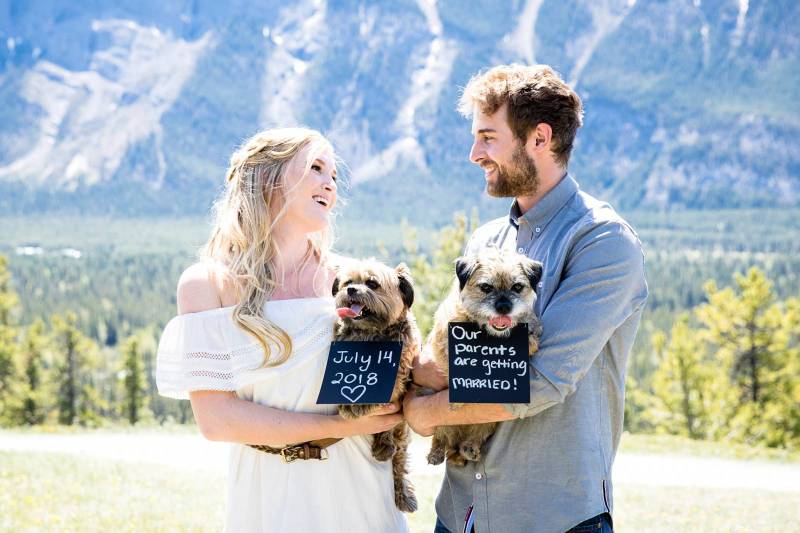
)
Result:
{"points": [[465, 268], [532, 269], [406, 284], [335, 287]]}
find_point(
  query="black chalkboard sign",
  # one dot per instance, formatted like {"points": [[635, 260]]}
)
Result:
{"points": [[360, 372], [488, 369]]}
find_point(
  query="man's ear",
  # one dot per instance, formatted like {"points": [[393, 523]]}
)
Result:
{"points": [[335, 287], [465, 268], [540, 137], [406, 284], [532, 269]]}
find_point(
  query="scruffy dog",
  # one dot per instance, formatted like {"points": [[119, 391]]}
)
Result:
{"points": [[374, 304], [497, 290]]}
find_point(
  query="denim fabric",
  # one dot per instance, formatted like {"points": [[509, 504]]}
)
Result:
{"points": [[440, 528], [597, 524]]}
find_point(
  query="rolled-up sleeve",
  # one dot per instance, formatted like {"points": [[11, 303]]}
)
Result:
{"points": [[601, 286]]}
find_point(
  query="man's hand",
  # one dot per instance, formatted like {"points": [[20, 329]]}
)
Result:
{"points": [[425, 372], [420, 412]]}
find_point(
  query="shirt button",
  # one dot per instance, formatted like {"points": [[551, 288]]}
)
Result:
{"points": [[540, 284], [478, 475], [538, 229], [521, 250]]}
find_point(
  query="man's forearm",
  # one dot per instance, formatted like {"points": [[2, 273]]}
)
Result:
{"points": [[436, 410]]}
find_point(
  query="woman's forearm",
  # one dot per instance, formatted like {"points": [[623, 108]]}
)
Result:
{"points": [[221, 416]]}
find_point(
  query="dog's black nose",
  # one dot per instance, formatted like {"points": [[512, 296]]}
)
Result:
{"points": [[503, 305], [351, 291]]}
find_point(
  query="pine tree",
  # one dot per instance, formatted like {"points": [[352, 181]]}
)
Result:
{"points": [[33, 408], [743, 329], [9, 374], [692, 395], [434, 274], [78, 399], [135, 382]]}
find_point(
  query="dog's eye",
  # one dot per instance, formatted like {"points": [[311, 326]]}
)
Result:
{"points": [[517, 287], [372, 284], [485, 287]]}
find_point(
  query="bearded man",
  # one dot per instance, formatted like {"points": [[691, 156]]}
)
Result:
{"points": [[548, 466]]}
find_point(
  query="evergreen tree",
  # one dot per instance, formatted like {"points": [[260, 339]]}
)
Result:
{"points": [[78, 400], [693, 397], [742, 327], [8, 347], [135, 382], [33, 408], [434, 274]]}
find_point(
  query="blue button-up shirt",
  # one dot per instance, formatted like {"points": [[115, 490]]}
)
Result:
{"points": [[550, 468]]}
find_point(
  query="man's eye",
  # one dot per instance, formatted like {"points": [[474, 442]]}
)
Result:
{"points": [[485, 287], [487, 139], [372, 284], [517, 287]]}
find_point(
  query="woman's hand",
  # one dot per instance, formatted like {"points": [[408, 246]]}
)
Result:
{"points": [[382, 419]]}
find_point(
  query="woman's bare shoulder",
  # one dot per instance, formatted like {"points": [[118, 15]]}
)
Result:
{"points": [[202, 286]]}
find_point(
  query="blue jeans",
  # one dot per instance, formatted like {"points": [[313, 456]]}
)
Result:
{"points": [[598, 524]]}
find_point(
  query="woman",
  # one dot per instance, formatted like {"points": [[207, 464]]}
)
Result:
{"points": [[250, 344]]}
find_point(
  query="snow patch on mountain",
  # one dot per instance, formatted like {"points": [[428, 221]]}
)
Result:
{"points": [[427, 83], [91, 118], [290, 49], [607, 15]]}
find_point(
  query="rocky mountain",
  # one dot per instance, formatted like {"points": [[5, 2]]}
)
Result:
{"points": [[135, 107]]}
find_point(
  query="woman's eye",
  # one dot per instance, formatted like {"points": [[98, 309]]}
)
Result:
{"points": [[316, 168], [517, 287], [372, 284], [485, 287]]}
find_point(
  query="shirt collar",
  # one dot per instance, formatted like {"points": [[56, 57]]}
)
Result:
{"points": [[546, 208]]}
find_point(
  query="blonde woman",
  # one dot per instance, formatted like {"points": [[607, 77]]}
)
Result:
{"points": [[250, 343]]}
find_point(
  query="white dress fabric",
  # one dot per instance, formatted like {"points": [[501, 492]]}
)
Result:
{"points": [[348, 493]]}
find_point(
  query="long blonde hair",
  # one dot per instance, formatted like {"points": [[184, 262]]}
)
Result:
{"points": [[246, 214]]}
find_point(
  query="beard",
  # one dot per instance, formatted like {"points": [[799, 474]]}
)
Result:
{"points": [[519, 178]]}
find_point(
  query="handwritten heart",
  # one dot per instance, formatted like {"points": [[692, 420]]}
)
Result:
{"points": [[354, 393]]}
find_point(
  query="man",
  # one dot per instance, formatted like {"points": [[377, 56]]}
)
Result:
{"points": [[548, 466]]}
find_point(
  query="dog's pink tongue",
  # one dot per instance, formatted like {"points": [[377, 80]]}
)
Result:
{"points": [[349, 312], [500, 322]]}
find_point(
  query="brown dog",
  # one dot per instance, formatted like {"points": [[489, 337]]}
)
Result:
{"points": [[374, 304], [497, 290]]}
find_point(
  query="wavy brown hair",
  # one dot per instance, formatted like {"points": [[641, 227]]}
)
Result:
{"points": [[534, 94], [245, 217]]}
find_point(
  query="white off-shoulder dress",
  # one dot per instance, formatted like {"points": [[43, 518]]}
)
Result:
{"points": [[350, 492]]}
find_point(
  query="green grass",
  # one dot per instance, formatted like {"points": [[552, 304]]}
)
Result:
{"points": [[49, 492], [55, 492], [673, 445]]}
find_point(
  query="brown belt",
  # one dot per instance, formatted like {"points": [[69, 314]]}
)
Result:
{"points": [[314, 449]]}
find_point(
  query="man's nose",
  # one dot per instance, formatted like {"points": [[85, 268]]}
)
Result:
{"points": [[476, 153]]}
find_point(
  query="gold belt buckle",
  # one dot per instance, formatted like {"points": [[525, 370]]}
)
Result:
{"points": [[289, 454]]}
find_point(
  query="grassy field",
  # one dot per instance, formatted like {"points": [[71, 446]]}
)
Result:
{"points": [[61, 492]]}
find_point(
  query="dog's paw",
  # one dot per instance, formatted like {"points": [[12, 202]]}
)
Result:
{"points": [[436, 456], [471, 451], [456, 459], [405, 500]]}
